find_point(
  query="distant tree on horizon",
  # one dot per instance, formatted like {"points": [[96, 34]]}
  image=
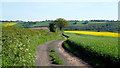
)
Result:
{"points": [[58, 23], [61, 23]]}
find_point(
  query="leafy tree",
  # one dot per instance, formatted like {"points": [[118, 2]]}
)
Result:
{"points": [[52, 27], [61, 23]]}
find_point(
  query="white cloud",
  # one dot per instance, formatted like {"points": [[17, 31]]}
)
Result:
{"points": [[60, 0]]}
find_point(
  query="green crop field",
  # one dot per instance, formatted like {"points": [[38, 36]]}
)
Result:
{"points": [[4, 22], [17, 25], [100, 51], [40, 24], [36, 24], [81, 23], [78, 24], [97, 22], [19, 45]]}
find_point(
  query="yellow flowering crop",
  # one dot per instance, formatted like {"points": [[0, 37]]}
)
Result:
{"points": [[8, 24], [96, 33]]}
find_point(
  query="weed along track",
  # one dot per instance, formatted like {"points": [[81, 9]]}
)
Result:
{"points": [[53, 54]]}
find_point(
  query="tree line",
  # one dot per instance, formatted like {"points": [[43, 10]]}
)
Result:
{"points": [[99, 27]]}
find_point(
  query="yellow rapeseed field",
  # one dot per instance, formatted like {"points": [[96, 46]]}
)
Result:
{"points": [[8, 24], [96, 33]]}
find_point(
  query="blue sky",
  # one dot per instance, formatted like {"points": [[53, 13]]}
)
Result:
{"points": [[35, 11]]}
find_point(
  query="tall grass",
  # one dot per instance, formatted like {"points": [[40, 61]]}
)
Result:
{"points": [[98, 51], [20, 44]]}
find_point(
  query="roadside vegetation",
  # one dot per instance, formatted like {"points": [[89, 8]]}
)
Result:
{"points": [[19, 45], [100, 52]]}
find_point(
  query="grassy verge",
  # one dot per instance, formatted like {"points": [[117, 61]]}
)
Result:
{"points": [[54, 57], [52, 50], [100, 52], [20, 44]]}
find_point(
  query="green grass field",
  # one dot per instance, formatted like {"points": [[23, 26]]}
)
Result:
{"points": [[17, 25], [97, 22], [37, 24], [19, 45], [41, 24], [80, 23], [100, 51], [4, 22]]}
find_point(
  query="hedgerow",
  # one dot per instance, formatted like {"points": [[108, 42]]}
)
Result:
{"points": [[98, 51]]}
